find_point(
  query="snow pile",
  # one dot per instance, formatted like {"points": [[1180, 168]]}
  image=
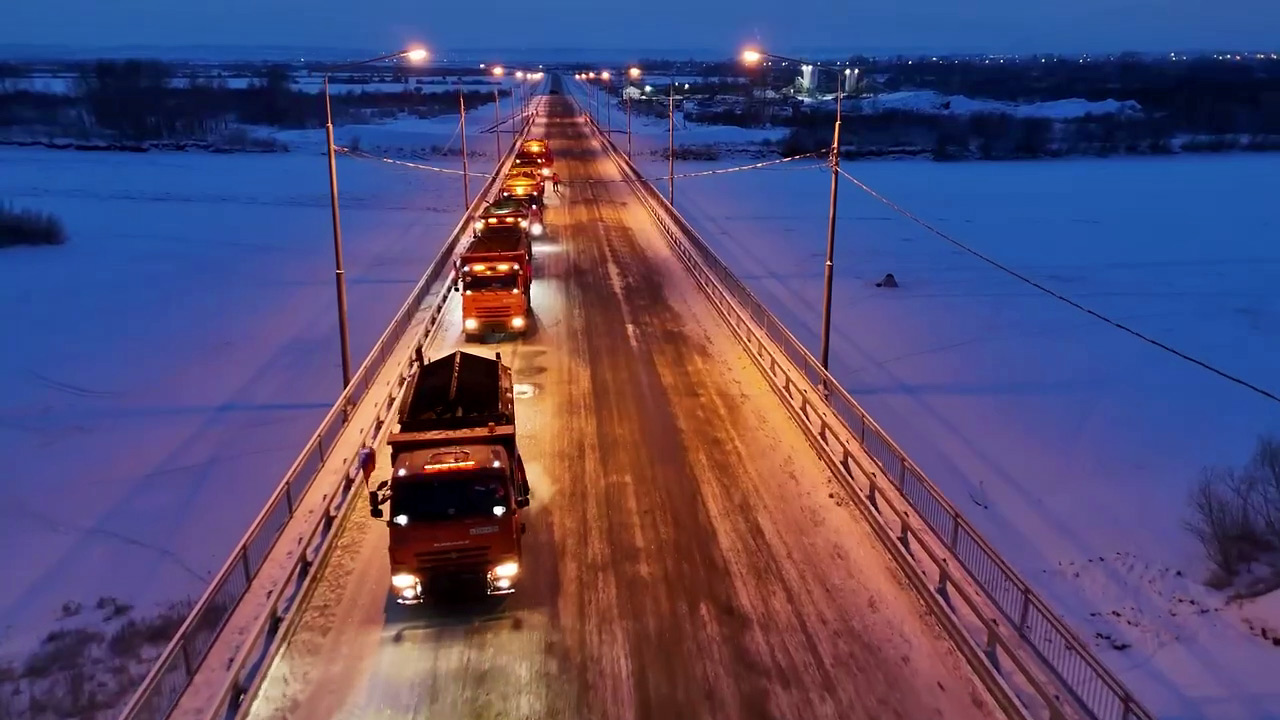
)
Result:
{"points": [[929, 101]]}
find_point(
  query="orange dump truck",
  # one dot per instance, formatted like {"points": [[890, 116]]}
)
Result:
{"points": [[494, 276], [457, 481]]}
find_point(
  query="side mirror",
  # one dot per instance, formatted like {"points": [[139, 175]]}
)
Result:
{"points": [[381, 486], [522, 502]]}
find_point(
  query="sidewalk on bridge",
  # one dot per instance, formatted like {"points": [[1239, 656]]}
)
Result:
{"points": [[214, 674]]}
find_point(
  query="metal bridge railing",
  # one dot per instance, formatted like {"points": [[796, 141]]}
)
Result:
{"points": [[179, 663], [1097, 691]]}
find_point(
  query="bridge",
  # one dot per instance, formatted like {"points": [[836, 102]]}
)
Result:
{"points": [[716, 530]]}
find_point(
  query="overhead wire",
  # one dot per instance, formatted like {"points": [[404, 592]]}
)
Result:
{"points": [[718, 171], [1057, 295]]}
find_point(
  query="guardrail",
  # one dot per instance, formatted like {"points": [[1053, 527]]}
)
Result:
{"points": [[1092, 687], [178, 664]]}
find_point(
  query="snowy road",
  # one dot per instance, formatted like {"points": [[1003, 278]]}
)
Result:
{"points": [[686, 556]]}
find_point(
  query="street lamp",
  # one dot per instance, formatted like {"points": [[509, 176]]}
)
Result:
{"points": [[633, 73], [416, 55], [754, 56], [608, 94]]}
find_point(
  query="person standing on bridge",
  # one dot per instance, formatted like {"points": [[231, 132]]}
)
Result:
{"points": [[555, 182]]}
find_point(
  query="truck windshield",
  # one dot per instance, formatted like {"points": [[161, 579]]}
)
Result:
{"points": [[482, 283], [448, 496]]}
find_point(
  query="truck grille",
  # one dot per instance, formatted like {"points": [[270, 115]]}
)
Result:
{"points": [[491, 312], [465, 558]]}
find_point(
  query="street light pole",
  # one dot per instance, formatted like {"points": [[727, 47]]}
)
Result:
{"points": [[753, 56], [671, 140], [628, 127], [497, 123], [338, 272], [831, 232], [344, 336], [462, 119]]}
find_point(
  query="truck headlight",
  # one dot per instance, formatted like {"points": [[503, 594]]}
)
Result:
{"points": [[470, 324], [404, 581], [517, 322], [536, 228], [505, 570]]}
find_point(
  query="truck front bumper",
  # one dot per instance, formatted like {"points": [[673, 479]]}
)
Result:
{"points": [[411, 588]]}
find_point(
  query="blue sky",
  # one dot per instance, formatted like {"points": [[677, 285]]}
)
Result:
{"points": [[695, 25]]}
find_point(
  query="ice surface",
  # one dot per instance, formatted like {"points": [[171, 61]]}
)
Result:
{"points": [[166, 366], [1072, 446]]}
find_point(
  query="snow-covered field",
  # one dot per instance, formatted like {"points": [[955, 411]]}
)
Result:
{"points": [[934, 102], [166, 366], [1072, 445]]}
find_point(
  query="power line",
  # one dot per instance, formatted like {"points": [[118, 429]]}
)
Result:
{"points": [[720, 171], [1059, 296]]}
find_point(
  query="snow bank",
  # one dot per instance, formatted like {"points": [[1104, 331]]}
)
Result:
{"points": [[1073, 445], [929, 101]]}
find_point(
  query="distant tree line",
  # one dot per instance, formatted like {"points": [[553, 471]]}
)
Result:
{"points": [[1200, 105], [137, 100]]}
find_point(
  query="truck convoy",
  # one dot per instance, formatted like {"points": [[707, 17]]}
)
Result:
{"points": [[457, 483]]}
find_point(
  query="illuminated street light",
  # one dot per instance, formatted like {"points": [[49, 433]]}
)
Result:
{"points": [[415, 55], [519, 74], [753, 56], [498, 70], [634, 72], [604, 75]]}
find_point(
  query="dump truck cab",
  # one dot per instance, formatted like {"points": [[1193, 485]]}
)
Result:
{"points": [[523, 184], [530, 163], [511, 211], [494, 277], [457, 481], [539, 151]]}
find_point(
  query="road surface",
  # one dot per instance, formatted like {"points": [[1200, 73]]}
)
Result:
{"points": [[687, 555]]}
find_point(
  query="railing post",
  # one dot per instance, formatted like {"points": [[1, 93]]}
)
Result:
{"points": [[186, 660], [991, 650], [244, 558]]}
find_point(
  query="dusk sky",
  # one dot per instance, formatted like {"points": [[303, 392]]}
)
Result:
{"points": [[905, 25]]}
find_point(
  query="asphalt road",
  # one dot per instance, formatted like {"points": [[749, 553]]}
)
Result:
{"points": [[687, 555]]}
